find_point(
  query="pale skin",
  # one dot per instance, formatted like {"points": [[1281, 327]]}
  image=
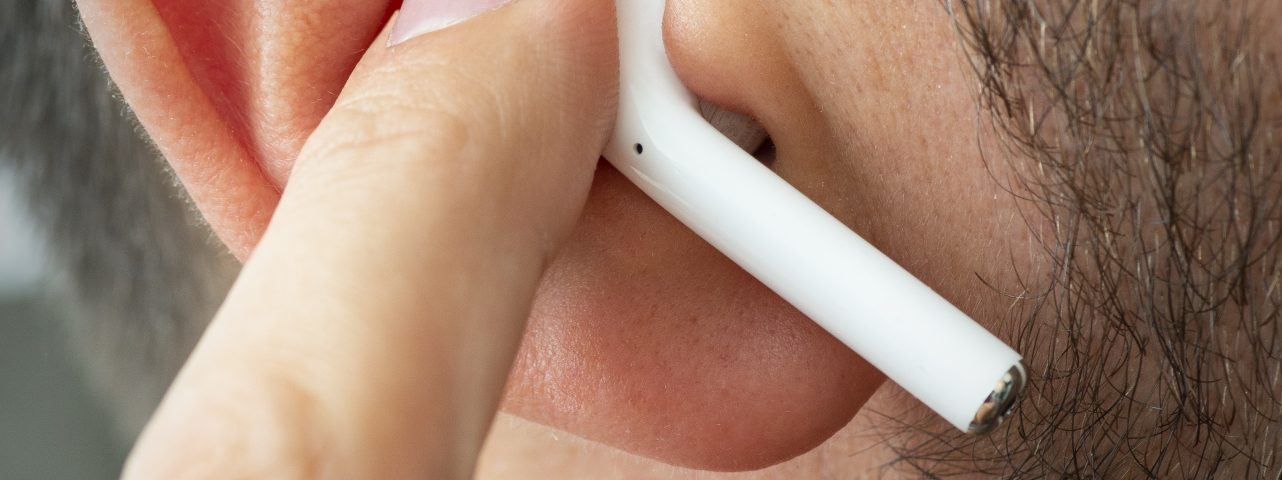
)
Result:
{"points": [[397, 242]]}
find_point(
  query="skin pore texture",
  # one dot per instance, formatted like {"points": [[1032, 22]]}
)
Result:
{"points": [[912, 123], [643, 337]]}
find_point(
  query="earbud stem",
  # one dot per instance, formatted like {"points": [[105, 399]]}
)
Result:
{"points": [[793, 246]]}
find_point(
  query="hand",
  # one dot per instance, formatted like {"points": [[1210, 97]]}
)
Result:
{"points": [[371, 332]]}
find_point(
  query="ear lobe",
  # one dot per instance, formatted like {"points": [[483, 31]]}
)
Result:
{"points": [[229, 90]]}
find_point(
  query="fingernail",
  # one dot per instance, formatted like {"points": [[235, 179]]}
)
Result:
{"points": [[418, 17]]}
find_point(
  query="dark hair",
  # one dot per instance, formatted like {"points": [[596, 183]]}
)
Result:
{"points": [[1145, 141], [139, 271]]}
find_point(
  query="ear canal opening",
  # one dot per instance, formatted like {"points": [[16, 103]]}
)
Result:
{"points": [[741, 129], [766, 153]]}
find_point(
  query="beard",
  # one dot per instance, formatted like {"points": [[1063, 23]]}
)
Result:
{"points": [[1143, 142]]}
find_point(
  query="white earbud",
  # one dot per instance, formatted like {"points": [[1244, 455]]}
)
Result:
{"points": [[793, 246]]}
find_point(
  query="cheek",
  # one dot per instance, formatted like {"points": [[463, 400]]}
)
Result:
{"points": [[645, 338]]}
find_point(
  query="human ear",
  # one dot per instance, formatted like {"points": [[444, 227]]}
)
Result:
{"points": [[642, 337], [229, 90]]}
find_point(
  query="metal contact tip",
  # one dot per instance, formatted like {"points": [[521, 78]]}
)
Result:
{"points": [[1000, 403]]}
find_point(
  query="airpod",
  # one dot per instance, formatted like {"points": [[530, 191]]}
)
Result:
{"points": [[919, 340]]}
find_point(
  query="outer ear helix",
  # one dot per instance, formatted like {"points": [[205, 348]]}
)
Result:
{"points": [[229, 90], [224, 181]]}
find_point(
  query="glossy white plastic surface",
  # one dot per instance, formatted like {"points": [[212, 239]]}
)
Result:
{"points": [[789, 243]]}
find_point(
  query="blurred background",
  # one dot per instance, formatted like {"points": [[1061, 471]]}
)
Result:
{"points": [[51, 426], [107, 276]]}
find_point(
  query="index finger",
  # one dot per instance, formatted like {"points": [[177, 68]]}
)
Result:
{"points": [[370, 334]]}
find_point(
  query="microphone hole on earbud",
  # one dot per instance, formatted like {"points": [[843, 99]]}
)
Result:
{"points": [[639, 149]]}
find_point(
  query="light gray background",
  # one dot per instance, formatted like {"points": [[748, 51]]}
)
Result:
{"points": [[51, 425]]}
